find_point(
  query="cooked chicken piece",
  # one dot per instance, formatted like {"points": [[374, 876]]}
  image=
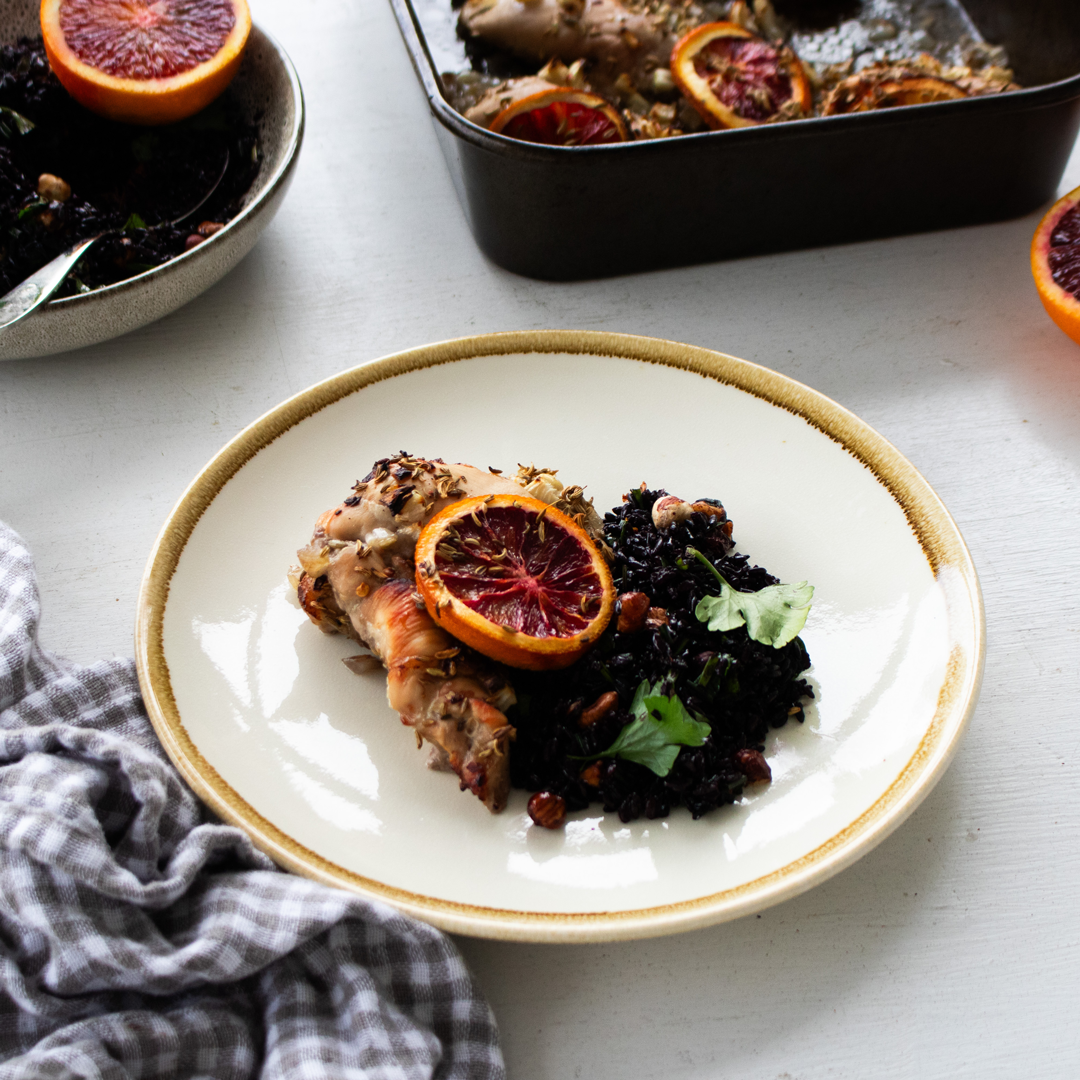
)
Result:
{"points": [[614, 39], [358, 579], [503, 96]]}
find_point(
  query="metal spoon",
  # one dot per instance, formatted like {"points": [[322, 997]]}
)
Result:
{"points": [[42, 285]]}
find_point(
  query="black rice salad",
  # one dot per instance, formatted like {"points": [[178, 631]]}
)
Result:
{"points": [[737, 686], [111, 176]]}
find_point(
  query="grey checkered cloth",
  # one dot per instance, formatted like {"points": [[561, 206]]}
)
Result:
{"points": [[140, 938]]}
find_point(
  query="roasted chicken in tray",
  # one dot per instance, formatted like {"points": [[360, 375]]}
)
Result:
{"points": [[357, 577], [671, 67]]}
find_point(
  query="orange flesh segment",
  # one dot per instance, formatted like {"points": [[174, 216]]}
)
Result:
{"points": [[505, 572], [733, 67], [132, 40]]}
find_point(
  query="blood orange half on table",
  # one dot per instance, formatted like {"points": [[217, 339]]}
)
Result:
{"points": [[560, 117], [145, 61], [1055, 263], [515, 579]]}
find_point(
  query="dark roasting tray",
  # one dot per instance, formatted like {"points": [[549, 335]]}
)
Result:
{"points": [[566, 213]]}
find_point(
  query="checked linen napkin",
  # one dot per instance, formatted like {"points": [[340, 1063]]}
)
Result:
{"points": [[140, 938]]}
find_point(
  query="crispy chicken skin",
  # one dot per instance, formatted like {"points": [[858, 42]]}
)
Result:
{"points": [[358, 579], [603, 31]]}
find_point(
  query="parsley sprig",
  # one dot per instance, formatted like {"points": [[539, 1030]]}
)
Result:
{"points": [[772, 616], [660, 727]]}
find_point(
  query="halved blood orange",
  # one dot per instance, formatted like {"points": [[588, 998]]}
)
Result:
{"points": [[736, 79], [1055, 263], [860, 93], [515, 579], [145, 61], [561, 117]]}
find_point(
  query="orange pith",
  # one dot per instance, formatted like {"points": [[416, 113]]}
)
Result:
{"points": [[1055, 263], [145, 61], [515, 579], [561, 117], [734, 78]]}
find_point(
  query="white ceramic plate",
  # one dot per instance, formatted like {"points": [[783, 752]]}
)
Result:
{"points": [[261, 716]]}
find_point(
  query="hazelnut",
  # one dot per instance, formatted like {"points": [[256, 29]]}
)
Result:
{"points": [[547, 809], [633, 607], [669, 509], [193, 241], [656, 617], [208, 228], [753, 766], [599, 708], [591, 774], [53, 188]]}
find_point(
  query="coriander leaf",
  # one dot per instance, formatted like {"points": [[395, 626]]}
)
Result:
{"points": [[31, 208], [133, 222], [661, 726], [773, 615]]}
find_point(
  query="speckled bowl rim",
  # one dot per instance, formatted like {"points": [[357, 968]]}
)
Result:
{"points": [[934, 529]]}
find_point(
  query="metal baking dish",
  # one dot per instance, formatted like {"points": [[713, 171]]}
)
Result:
{"points": [[566, 213]]}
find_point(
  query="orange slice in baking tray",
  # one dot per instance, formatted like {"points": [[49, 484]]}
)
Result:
{"points": [[736, 79], [515, 579], [560, 117], [860, 93], [1055, 263], [145, 61]]}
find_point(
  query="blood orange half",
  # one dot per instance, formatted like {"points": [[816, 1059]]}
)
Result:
{"points": [[735, 79], [1055, 263], [560, 117], [145, 61], [515, 579]]}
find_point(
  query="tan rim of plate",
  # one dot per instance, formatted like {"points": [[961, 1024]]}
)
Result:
{"points": [[936, 531]]}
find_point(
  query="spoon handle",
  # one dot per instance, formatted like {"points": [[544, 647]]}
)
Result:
{"points": [[40, 286]]}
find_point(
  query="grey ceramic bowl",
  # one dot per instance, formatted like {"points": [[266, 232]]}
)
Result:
{"points": [[267, 86]]}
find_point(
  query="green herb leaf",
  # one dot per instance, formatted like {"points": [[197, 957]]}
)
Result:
{"points": [[773, 615], [134, 222], [661, 726], [22, 125], [31, 208]]}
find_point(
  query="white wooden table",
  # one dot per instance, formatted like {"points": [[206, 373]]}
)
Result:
{"points": [[952, 949]]}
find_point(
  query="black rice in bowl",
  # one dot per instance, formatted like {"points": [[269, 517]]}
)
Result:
{"points": [[122, 179]]}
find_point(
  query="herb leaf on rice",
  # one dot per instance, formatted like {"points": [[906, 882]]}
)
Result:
{"points": [[694, 702]]}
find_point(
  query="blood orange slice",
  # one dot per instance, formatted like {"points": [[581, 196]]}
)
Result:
{"points": [[859, 93], [145, 61], [560, 117], [1055, 263], [735, 79], [516, 579]]}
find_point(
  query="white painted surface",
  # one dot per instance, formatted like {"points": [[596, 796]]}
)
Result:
{"points": [[952, 949]]}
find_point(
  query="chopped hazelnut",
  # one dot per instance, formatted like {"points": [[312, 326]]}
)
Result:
{"points": [[53, 188], [599, 708], [669, 509], [547, 809], [753, 766], [208, 228], [193, 241], [633, 606]]}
